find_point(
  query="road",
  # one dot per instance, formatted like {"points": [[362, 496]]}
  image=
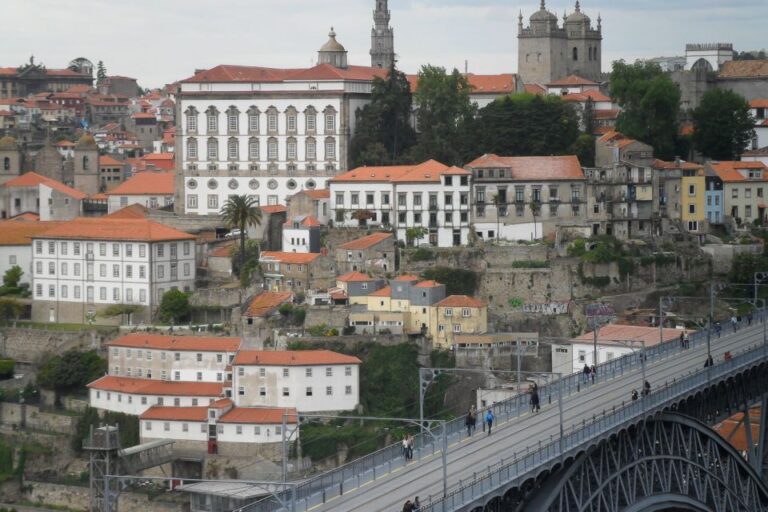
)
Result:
{"points": [[474, 455]]}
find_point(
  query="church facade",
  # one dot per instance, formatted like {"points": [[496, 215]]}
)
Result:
{"points": [[548, 52]]}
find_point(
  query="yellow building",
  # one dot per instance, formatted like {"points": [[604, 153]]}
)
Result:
{"points": [[455, 315], [693, 200]]}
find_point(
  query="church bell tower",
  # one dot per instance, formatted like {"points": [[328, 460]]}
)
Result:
{"points": [[382, 37]]}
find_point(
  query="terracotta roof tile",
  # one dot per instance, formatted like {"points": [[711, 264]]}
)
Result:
{"points": [[27, 216], [306, 222], [228, 73], [291, 358], [354, 277], [108, 161], [134, 211], [428, 284], [729, 171], [534, 168], [460, 301], [322, 193], [16, 232], [175, 413], [744, 69], [613, 333], [289, 257], [407, 277], [177, 343], [259, 415], [161, 183], [571, 80], [383, 292], [661, 164], [366, 241], [222, 251], [274, 208], [504, 83], [584, 96], [31, 179], [110, 228], [426, 172], [758, 103], [266, 302], [535, 89], [157, 387], [612, 113]]}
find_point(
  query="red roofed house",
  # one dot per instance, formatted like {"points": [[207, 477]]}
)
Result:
{"points": [[255, 316], [34, 193], [84, 266], [430, 195], [152, 189], [301, 234], [296, 272], [159, 161], [314, 203], [745, 189], [614, 147], [111, 172], [571, 84], [374, 253], [31, 78], [526, 198], [455, 315], [16, 245]]}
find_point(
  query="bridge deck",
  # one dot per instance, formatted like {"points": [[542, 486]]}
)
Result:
{"points": [[473, 455]]}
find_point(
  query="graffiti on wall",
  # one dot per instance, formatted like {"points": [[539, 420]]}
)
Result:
{"points": [[546, 308]]}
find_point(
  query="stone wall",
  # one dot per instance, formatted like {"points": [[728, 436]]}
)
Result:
{"points": [[30, 345], [34, 418], [332, 316], [71, 497], [722, 255]]}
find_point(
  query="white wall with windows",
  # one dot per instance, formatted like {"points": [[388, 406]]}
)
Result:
{"points": [[13, 255], [176, 430], [170, 365], [136, 403], [295, 239], [306, 388], [118, 202], [253, 433]]}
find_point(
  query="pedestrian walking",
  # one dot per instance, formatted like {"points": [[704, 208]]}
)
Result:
{"points": [[587, 372], [405, 447], [682, 341], [718, 329], [535, 401], [634, 394], [686, 341], [408, 507], [734, 323], [749, 318], [709, 362], [469, 421], [473, 409], [416, 504], [410, 448], [489, 420], [646, 388], [593, 373]]}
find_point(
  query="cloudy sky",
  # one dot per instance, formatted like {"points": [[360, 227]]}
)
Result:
{"points": [[160, 41]]}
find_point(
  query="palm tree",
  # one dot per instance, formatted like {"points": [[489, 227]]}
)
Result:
{"points": [[241, 212]]}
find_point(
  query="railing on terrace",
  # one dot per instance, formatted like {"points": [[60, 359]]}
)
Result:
{"points": [[318, 489]]}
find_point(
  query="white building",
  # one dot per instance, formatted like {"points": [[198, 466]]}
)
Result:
{"points": [[266, 132], [301, 234], [430, 195], [151, 189], [613, 340], [309, 381], [83, 266], [16, 245], [707, 56], [174, 358], [46, 197]]}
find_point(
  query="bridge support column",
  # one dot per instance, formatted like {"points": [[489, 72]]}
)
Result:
{"points": [[761, 458]]}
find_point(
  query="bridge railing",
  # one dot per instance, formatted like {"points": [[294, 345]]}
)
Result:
{"points": [[320, 488], [576, 436]]}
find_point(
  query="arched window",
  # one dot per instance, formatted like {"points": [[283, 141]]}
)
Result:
{"points": [[272, 125], [330, 148], [212, 115], [253, 149], [253, 120], [291, 116], [192, 149], [310, 117], [85, 163], [213, 149], [272, 149], [290, 149], [7, 164], [575, 53], [311, 149], [330, 119], [233, 120], [191, 120], [233, 149]]}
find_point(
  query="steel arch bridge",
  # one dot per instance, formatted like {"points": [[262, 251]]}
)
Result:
{"points": [[670, 461]]}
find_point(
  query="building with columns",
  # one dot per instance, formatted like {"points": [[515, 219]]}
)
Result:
{"points": [[548, 52]]}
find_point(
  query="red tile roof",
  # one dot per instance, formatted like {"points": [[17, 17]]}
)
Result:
{"points": [[289, 257], [175, 413], [367, 241], [758, 103], [134, 211], [428, 284], [426, 172], [27, 216], [222, 251], [17, 232], [259, 415], [481, 84], [616, 333], [32, 179], [571, 80], [307, 222], [147, 183], [164, 161], [584, 96], [110, 228], [228, 73], [534, 168], [729, 171], [689, 166], [612, 113], [266, 302], [535, 89], [407, 277], [157, 387], [384, 292], [322, 193], [460, 301], [354, 277], [143, 115], [744, 69], [108, 161], [177, 343], [291, 358], [274, 208]]}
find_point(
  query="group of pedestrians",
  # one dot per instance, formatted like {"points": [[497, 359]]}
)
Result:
{"points": [[412, 506], [646, 391], [408, 447], [590, 372], [470, 420]]}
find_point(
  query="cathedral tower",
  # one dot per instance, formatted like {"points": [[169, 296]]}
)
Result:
{"points": [[382, 38]]}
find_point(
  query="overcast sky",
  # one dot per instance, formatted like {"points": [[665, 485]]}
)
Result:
{"points": [[160, 41]]}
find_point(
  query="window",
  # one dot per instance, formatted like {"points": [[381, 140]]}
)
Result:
{"points": [[329, 371], [330, 149], [233, 149], [185, 427], [734, 193], [166, 426], [63, 291], [348, 371], [262, 372], [286, 392], [272, 121], [347, 390], [115, 270], [213, 201], [51, 268], [253, 149], [239, 429], [355, 199], [147, 425], [213, 120], [309, 391], [291, 149], [311, 149], [177, 402], [191, 120], [330, 122], [748, 193], [177, 375], [262, 391], [233, 120], [257, 430], [448, 311], [328, 390], [272, 149], [456, 328], [213, 149]]}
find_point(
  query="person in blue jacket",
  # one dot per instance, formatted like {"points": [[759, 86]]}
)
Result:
{"points": [[489, 420]]}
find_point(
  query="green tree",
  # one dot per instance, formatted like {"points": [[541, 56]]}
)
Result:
{"points": [[174, 307], [724, 126], [525, 124], [121, 310], [745, 265], [252, 251], [584, 149], [12, 277], [101, 72], [71, 371], [651, 103], [750, 55], [383, 131], [444, 115], [241, 212], [10, 309], [457, 281], [415, 233]]}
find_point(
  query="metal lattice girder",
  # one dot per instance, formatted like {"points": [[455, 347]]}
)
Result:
{"points": [[668, 460]]}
